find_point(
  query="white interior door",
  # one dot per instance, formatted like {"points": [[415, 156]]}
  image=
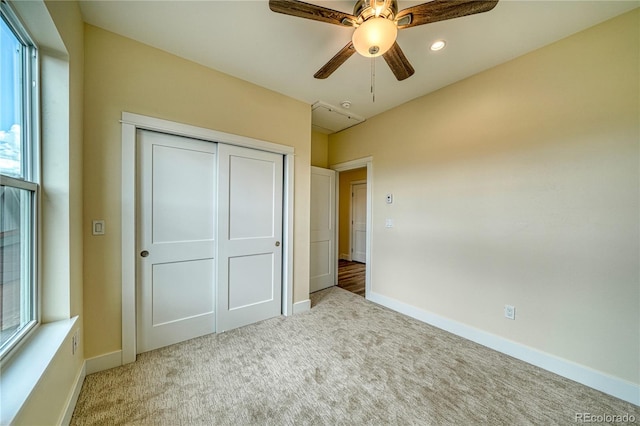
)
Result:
{"points": [[359, 222], [322, 258], [176, 230], [250, 236]]}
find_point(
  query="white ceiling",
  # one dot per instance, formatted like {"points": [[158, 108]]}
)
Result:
{"points": [[247, 40]]}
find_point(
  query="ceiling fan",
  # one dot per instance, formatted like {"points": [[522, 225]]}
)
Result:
{"points": [[376, 24]]}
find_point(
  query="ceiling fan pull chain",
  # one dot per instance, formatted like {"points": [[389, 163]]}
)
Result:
{"points": [[373, 78]]}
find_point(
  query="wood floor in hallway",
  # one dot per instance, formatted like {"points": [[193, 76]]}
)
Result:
{"points": [[351, 276]]}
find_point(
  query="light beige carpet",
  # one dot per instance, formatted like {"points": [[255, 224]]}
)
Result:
{"points": [[346, 362]]}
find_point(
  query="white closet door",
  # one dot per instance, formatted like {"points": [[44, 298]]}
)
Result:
{"points": [[322, 257], [359, 222], [250, 236], [176, 227]]}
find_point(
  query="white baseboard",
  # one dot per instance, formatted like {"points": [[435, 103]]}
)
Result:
{"points": [[104, 362], [345, 256], [603, 382], [301, 306], [73, 398]]}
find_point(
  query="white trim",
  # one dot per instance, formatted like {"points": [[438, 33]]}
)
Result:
{"points": [[603, 382], [353, 164], [302, 306], [104, 362], [287, 236], [343, 167], [174, 128], [128, 242], [130, 124], [73, 397]]}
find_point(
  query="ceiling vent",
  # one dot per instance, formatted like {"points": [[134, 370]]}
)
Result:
{"points": [[329, 119]]}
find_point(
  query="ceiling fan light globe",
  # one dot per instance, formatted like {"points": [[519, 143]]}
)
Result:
{"points": [[374, 37]]}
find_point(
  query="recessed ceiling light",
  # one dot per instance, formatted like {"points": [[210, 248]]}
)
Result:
{"points": [[438, 45]]}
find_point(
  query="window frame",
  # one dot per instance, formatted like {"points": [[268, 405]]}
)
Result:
{"points": [[30, 162]]}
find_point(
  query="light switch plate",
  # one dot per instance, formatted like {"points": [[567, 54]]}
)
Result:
{"points": [[98, 227], [509, 312]]}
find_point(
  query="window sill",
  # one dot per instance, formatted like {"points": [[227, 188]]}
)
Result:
{"points": [[20, 375]]}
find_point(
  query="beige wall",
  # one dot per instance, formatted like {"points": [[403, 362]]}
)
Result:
{"points": [[344, 208], [58, 31], [124, 75], [319, 149], [519, 186]]}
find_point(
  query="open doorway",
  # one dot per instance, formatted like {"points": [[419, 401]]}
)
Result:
{"points": [[352, 192]]}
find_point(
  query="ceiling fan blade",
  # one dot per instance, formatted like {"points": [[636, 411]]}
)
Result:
{"points": [[441, 10], [333, 64], [311, 11], [398, 63]]}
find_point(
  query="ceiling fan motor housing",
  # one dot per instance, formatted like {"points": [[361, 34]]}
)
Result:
{"points": [[365, 9]]}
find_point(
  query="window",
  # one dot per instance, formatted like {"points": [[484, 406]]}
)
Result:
{"points": [[18, 182]]}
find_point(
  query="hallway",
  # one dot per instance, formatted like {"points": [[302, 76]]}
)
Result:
{"points": [[351, 276]]}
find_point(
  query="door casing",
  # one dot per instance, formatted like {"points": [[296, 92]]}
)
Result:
{"points": [[130, 124]]}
